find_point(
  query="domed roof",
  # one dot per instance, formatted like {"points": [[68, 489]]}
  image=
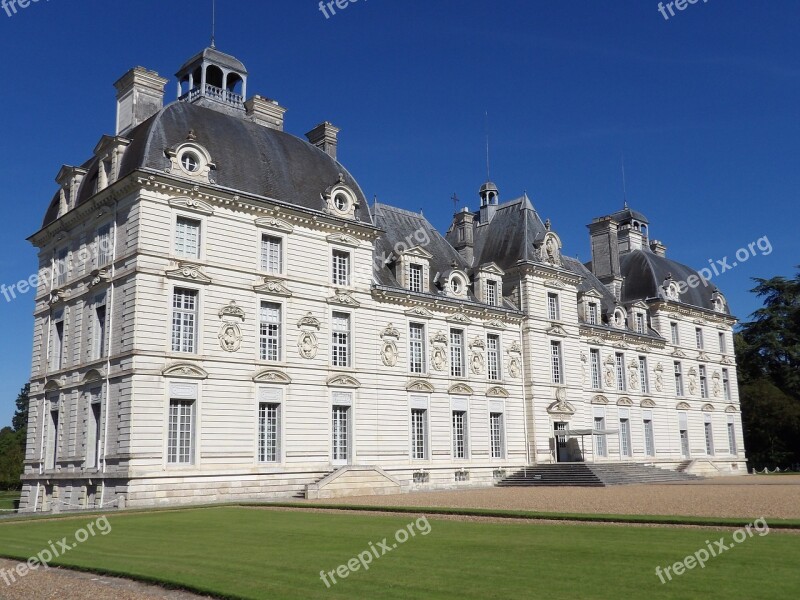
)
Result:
{"points": [[249, 158], [213, 55], [488, 187], [645, 272], [628, 214]]}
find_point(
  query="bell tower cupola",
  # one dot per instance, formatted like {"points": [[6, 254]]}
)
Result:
{"points": [[215, 80], [489, 198]]}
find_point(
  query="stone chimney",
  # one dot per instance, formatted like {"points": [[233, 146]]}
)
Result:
{"points": [[140, 95], [265, 112], [658, 248], [605, 253], [460, 234], [323, 136]]}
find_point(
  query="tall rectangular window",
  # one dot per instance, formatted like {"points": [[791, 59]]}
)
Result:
{"points": [[619, 362], [268, 430], [493, 357], [557, 365], [416, 348], [678, 379], [184, 320], [709, 432], [723, 343], [594, 359], [592, 317], [459, 434], [340, 340], [271, 254], [187, 238], [94, 433], [51, 460], [419, 433], [726, 385], [703, 382], [732, 448], [180, 442], [683, 429], [553, 308], [600, 448], [99, 327], [676, 338], [61, 266], [625, 437], [103, 246], [640, 323], [269, 336], [649, 442], [57, 340], [341, 435], [491, 293], [497, 435], [698, 334], [415, 278], [456, 353], [643, 379], [340, 268]]}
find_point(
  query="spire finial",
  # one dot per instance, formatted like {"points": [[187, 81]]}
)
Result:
{"points": [[213, 23], [486, 127], [624, 184]]}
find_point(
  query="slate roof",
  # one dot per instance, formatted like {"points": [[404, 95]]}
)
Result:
{"points": [[217, 57], [249, 158]]}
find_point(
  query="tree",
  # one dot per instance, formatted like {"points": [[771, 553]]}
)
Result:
{"points": [[20, 420], [768, 355], [12, 455]]}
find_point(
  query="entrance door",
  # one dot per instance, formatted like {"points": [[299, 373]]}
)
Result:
{"points": [[562, 452], [340, 451]]}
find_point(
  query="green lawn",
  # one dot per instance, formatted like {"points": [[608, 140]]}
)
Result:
{"points": [[254, 554], [8, 499]]}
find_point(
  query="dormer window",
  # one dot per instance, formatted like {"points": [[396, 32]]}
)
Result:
{"points": [[415, 277], [457, 286], [619, 318], [592, 314], [341, 202], [491, 293], [640, 323], [190, 162]]}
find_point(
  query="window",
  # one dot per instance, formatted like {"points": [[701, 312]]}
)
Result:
{"points": [[456, 285], [93, 432], [103, 245], [341, 268], [625, 437], [184, 320], [62, 266], [709, 436], [270, 331], [557, 365], [676, 339], [459, 434], [187, 238], [179, 445], [340, 340], [643, 379], [415, 278], [594, 359], [419, 430], [703, 382], [341, 202], [493, 357], [553, 309], [341, 424], [269, 414], [723, 343], [271, 254], [496, 435], [619, 362], [684, 432], [732, 436], [640, 323], [678, 379], [600, 448], [649, 444], [57, 340], [491, 293], [698, 334], [456, 353], [726, 385], [51, 460], [190, 162], [99, 328], [416, 348], [592, 317]]}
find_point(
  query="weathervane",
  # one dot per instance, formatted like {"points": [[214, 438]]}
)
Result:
{"points": [[455, 200], [213, 23]]}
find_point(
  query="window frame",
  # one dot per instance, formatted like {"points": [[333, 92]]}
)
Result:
{"points": [[460, 346], [620, 379], [675, 332], [677, 367], [497, 354], [501, 440], [421, 343], [348, 346], [281, 342], [192, 425], [197, 334], [414, 445], [188, 218], [595, 368], [644, 378], [266, 236], [553, 306], [557, 374], [416, 273], [335, 272]]}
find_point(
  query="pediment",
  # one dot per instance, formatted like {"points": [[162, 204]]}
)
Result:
{"points": [[460, 318], [308, 321], [52, 385], [275, 224], [599, 399], [419, 312], [561, 407], [461, 389], [189, 272], [495, 324], [592, 293], [491, 268], [273, 286], [271, 376], [557, 330], [420, 385], [497, 392], [708, 408], [679, 353], [682, 406], [418, 251], [343, 239], [731, 409], [647, 403], [343, 297], [343, 380], [185, 370], [93, 375], [624, 401], [193, 205]]}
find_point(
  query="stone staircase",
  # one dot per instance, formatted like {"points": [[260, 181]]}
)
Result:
{"points": [[302, 494], [593, 475]]}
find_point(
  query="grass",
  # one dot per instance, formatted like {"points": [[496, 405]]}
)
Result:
{"points": [[8, 500], [247, 553]]}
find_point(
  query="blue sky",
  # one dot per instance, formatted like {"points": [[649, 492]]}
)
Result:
{"points": [[704, 105]]}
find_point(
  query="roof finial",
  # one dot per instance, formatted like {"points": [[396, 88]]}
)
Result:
{"points": [[455, 200], [624, 184], [486, 127], [213, 23]]}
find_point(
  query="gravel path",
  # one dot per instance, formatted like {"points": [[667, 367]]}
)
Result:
{"points": [[745, 496], [60, 584]]}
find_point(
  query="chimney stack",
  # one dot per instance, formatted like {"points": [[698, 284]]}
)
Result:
{"points": [[140, 95], [658, 248], [605, 253], [265, 112], [323, 136]]}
